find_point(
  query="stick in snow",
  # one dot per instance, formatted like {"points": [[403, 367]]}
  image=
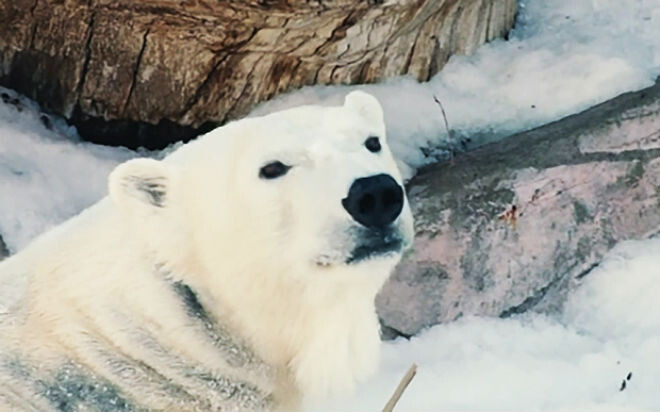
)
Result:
{"points": [[405, 381]]}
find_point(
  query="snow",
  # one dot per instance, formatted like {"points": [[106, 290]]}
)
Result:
{"points": [[575, 361], [563, 56], [46, 176]]}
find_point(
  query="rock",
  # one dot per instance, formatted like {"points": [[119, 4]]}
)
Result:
{"points": [[514, 225], [4, 252], [147, 73]]}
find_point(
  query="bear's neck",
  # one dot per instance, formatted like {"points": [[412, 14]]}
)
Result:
{"points": [[325, 336]]}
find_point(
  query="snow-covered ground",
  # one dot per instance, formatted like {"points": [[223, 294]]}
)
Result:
{"points": [[576, 362], [46, 176], [562, 57]]}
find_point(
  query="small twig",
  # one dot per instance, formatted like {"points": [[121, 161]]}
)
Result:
{"points": [[405, 381], [450, 135], [444, 115]]}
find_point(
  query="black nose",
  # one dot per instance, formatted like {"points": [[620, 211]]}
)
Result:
{"points": [[374, 201]]}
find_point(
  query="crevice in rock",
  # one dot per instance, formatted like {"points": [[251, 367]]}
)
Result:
{"points": [[482, 23], [406, 65], [163, 11], [33, 34], [344, 25], [488, 20], [34, 7], [587, 271], [236, 101], [507, 33], [202, 86], [316, 74], [452, 42], [622, 156], [339, 32], [86, 59], [530, 301], [390, 333], [136, 70], [35, 23], [4, 250], [417, 22], [133, 134]]}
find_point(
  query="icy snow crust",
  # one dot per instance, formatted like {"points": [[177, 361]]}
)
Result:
{"points": [[562, 57]]}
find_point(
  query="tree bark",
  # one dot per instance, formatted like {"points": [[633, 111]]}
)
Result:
{"points": [[111, 64], [514, 225]]}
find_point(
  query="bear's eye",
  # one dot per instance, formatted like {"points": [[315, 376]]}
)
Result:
{"points": [[273, 170], [372, 144]]}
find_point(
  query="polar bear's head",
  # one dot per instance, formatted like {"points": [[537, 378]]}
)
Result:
{"points": [[305, 190], [285, 226]]}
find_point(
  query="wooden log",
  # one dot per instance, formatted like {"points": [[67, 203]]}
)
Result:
{"points": [[150, 72], [514, 225]]}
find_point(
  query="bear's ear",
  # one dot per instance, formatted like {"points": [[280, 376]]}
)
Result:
{"points": [[142, 183], [365, 105]]}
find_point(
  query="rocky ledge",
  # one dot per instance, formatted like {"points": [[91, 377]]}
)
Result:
{"points": [[514, 225]]}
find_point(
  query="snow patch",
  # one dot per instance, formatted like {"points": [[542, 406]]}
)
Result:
{"points": [[577, 361], [46, 174]]}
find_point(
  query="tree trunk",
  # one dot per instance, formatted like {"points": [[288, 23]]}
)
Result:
{"points": [[514, 225], [169, 63]]}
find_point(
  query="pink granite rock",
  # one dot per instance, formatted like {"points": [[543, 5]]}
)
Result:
{"points": [[514, 225]]}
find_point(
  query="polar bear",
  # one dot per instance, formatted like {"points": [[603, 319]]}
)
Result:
{"points": [[238, 273]]}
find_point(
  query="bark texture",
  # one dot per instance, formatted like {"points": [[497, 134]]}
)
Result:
{"points": [[170, 63], [514, 225]]}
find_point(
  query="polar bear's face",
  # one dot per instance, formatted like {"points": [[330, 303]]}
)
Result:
{"points": [[328, 183], [313, 188]]}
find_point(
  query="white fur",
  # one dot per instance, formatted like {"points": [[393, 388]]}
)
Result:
{"points": [[251, 248]]}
